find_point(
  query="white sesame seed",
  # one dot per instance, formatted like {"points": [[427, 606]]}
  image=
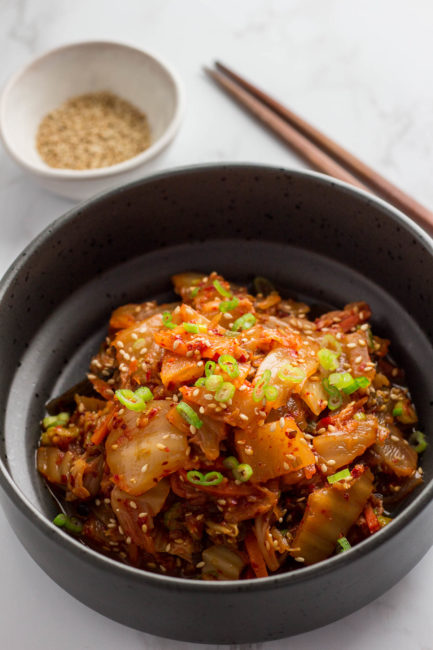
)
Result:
{"points": [[208, 396], [193, 429], [120, 529], [200, 364], [324, 468], [244, 417], [128, 540], [199, 565], [331, 428], [286, 466], [176, 344], [273, 427], [201, 410], [358, 359], [351, 345], [281, 422], [144, 468], [97, 502], [331, 462], [195, 392], [107, 501], [299, 559], [189, 353], [160, 446], [133, 505]]}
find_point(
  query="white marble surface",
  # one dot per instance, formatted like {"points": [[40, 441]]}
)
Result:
{"points": [[362, 71]]}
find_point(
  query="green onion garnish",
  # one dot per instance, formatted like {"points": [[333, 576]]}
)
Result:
{"points": [[398, 409], [189, 414], [340, 379], [328, 359], [211, 478], [225, 392], [59, 420], [271, 393], [71, 524], [228, 305], [344, 544], [194, 328], [214, 382], [219, 287], [134, 401], [244, 322], [291, 374], [209, 368], [370, 339], [383, 521], [358, 382], [229, 365], [418, 438], [339, 476], [231, 462], [261, 384], [200, 382], [194, 292], [167, 320], [243, 472], [359, 416], [329, 341], [334, 400], [263, 286]]}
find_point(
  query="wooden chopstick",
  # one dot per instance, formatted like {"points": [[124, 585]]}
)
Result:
{"points": [[319, 150]]}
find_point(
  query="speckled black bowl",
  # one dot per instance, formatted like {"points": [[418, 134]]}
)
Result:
{"points": [[316, 237]]}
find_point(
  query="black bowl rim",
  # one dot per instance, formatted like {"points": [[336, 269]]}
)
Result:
{"points": [[185, 584]]}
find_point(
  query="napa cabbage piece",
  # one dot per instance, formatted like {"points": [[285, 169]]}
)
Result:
{"points": [[273, 449], [276, 361], [222, 563], [54, 464], [242, 404], [314, 396], [347, 443], [395, 455], [177, 370], [207, 437], [140, 456], [330, 513]]}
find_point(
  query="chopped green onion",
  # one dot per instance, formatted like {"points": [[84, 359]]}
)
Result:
{"points": [[219, 287], [263, 286], [398, 409], [167, 320], [211, 478], [383, 521], [335, 400], [359, 416], [225, 392], [144, 393], [209, 368], [340, 379], [231, 462], [339, 476], [421, 443], [200, 382], [194, 292], [329, 341], [344, 544], [195, 477], [291, 374], [229, 365], [244, 322], [189, 414], [358, 382], [194, 328], [231, 334], [59, 520], [139, 344], [228, 305], [261, 384], [243, 472], [214, 382], [328, 359], [71, 524], [271, 393], [59, 420], [370, 339], [134, 401]]}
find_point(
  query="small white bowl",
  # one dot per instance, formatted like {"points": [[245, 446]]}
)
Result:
{"points": [[48, 81]]}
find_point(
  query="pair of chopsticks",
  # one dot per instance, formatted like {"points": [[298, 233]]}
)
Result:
{"points": [[315, 147]]}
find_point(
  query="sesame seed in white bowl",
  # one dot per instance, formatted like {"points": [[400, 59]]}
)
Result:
{"points": [[127, 72]]}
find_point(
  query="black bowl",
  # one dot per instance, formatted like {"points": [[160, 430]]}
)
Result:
{"points": [[318, 238]]}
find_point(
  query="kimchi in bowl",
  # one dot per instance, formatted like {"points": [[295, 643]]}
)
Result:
{"points": [[320, 242]]}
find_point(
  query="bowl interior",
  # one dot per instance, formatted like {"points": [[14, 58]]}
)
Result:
{"points": [[315, 240], [82, 68]]}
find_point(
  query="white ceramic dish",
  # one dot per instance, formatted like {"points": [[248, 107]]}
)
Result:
{"points": [[133, 74]]}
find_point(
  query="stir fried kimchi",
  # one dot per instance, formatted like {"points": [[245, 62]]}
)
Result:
{"points": [[229, 436]]}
